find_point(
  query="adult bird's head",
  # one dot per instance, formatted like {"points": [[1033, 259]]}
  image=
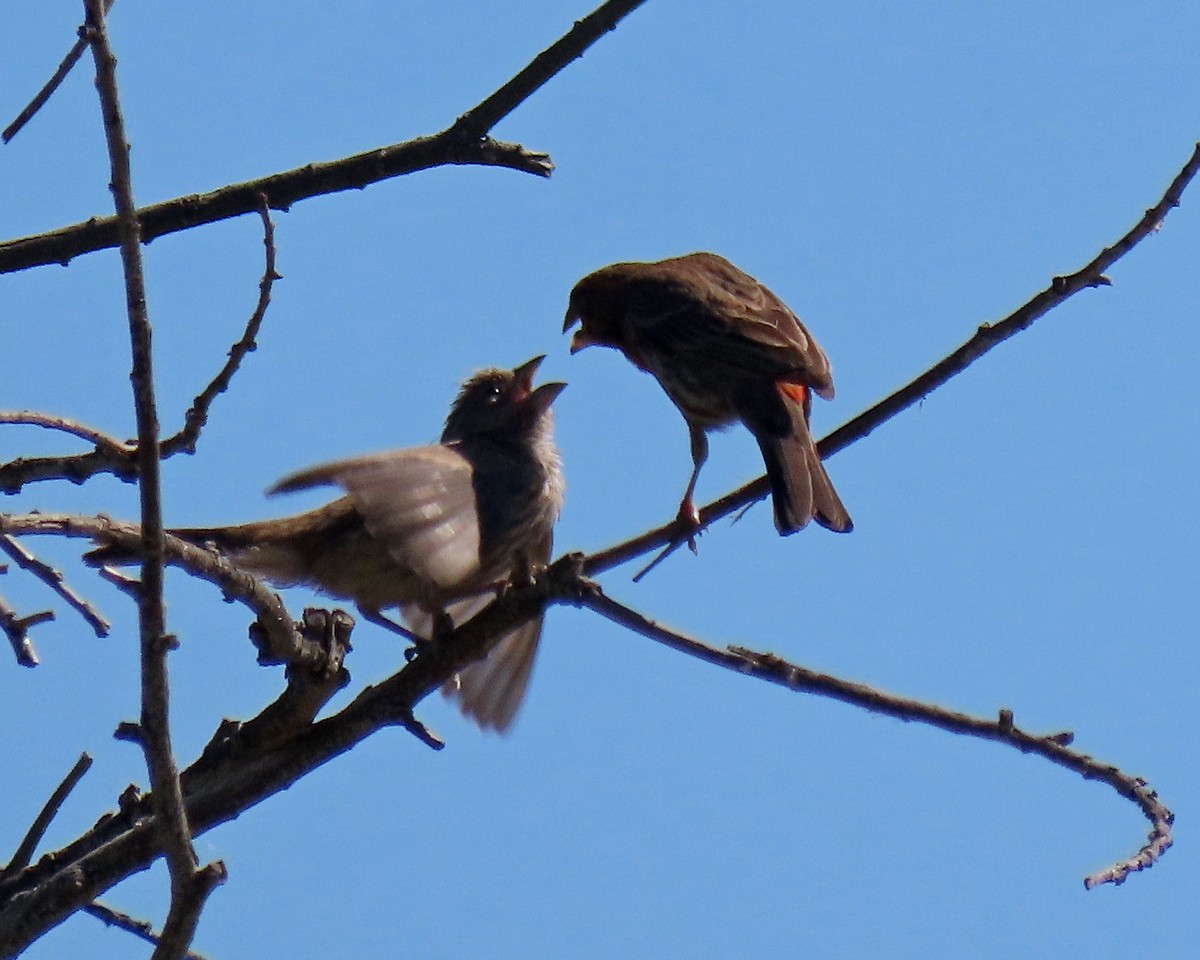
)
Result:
{"points": [[599, 304]]}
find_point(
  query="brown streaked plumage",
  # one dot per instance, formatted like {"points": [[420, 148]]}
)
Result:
{"points": [[431, 530], [724, 348]]}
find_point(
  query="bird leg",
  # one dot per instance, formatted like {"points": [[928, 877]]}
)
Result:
{"points": [[689, 516]]}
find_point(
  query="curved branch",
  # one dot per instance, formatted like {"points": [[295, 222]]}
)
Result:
{"points": [[100, 440], [1054, 747], [197, 415]]}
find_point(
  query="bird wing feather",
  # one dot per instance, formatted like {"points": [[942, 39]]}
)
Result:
{"points": [[420, 502], [709, 301]]}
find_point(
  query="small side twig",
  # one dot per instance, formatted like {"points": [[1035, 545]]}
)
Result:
{"points": [[43, 95], [142, 929], [197, 415], [42, 821], [16, 628], [100, 440], [56, 582]]}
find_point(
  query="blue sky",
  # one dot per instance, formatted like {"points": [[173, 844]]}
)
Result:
{"points": [[1025, 538]]}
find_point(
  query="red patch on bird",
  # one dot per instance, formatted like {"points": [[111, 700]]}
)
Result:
{"points": [[796, 391]]}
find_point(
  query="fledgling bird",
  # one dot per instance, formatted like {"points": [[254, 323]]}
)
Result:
{"points": [[724, 348], [431, 530]]}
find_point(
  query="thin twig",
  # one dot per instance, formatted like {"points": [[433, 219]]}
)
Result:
{"points": [[56, 582], [141, 929], [45, 817], [986, 337], [35, 418], [52, 84], [197, 415], [1055, 747], [461, 143], [16, 628]]}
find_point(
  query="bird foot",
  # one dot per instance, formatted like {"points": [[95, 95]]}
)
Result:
{"points": [[688, 520], [687, 523], [442, 627]]}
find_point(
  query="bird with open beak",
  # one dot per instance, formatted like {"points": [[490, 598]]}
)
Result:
{"points": [[724, 348], [434, 530]]}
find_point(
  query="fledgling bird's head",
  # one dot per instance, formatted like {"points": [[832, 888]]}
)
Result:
{"points": [[503, 404]]}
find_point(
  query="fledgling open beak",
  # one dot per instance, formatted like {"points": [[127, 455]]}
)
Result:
{"points": [[541, 398], [525, 373]]}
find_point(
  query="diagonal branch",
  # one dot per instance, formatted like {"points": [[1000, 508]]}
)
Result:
{"points": [[987, 337], [56, 582], [216, 793], [464, 142], [123, 921], [42, 96], [45, 817], [100, 440]]}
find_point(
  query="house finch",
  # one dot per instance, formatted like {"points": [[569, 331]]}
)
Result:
{"points": [[432, 530], [724, 348]]}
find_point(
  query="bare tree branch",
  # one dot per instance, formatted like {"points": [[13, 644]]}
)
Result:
{"points": [[123, 921], [74, 467], [43, 95], [56, 582], [985, 338], [1053, 747], [197, 415], [45, 817], [219, 786], [190, 887], [16, 628], [100, 440], [464, 142]]}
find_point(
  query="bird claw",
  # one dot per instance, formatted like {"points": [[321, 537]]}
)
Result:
{"points": [[688, 519]]}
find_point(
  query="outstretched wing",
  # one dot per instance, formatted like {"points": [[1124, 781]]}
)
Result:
{"points": [[419, 502]]}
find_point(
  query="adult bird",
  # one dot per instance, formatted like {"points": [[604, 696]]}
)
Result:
{"points": [[434, 531], [724, 348]]}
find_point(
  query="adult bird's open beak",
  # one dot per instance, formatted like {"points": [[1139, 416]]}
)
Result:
{"points": [[581, 338]]}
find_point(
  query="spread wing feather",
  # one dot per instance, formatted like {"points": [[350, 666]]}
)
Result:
{"points": [[419, 502]]}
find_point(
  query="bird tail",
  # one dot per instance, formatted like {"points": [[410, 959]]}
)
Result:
{"points": [[489, 691], [225, 539], [800, 488]]}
